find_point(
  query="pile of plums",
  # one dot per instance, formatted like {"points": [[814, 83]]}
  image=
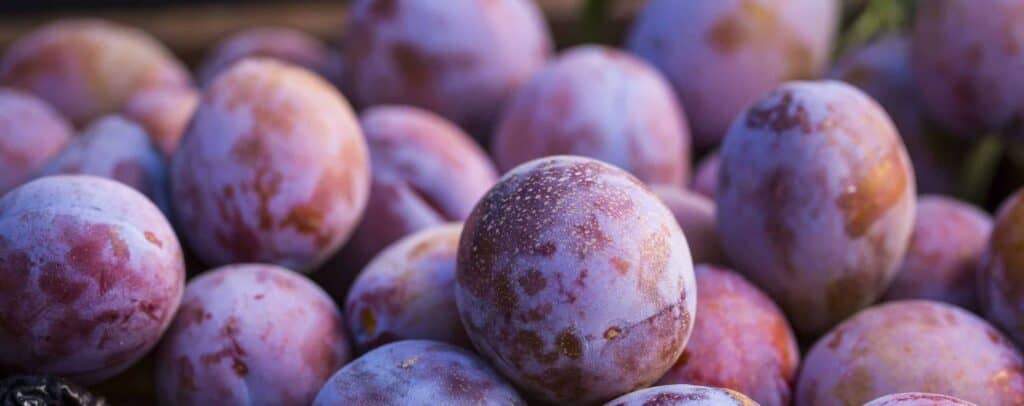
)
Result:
{"points": [[445, 211]]}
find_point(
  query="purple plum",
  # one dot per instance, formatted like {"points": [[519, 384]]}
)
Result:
{"points": [[31, 133]]}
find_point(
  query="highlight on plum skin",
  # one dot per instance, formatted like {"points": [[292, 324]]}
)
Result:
{"points": [[115, 148], [465, 67], [601, 103], [70, 64], [918, 399], [92, 276], [408, 292], [696, 217], [816, 200], [727, 54], [252, 334], [944, 254], [741, 341], [418, 372], [164, 112], [273, 168], [909, 345], [683, 395], [425, 172], [31, 133], [1000, 281], [575, 281]]}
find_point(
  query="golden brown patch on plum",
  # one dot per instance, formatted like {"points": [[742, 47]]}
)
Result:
{"points": [[855, 387], [569, 343], [1007, 246], [755, 25], [621, 266], [153, 239], [873, 193]]}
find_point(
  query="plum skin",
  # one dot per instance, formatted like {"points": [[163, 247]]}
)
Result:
{"points": [[115, 148], [425, 172], [705, 176], [741, 341], [918, 399], [464, 68], [31, 133], [87, 68], [284, 44], [601, 103], [696, 217], [1000, 281], [730, 52], [254, 334], [815, 200], [417, 372], [164, 113], [408, 292], [575, 281], [912, 345], [273, 168], [945, 251], [682, 395], [92, 275]]}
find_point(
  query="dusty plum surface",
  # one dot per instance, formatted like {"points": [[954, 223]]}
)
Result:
{"points": [[683, 395], [164, 112], [31, 133], [696, 216], [91, 274], [284, 44], [918, 399], [816, 200], [575, 281], [1001, 279]]}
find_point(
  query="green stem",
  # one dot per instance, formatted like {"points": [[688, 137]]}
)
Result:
{"points": [[979, 169]]}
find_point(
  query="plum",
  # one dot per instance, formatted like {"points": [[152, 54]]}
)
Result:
{"points": [[88, 68], [882, 69], [91, 274], [705, 176], [721, 55], [408, 292], [968, 63], [601, 103], [696, 217], [683, 395], [426, 172], [918, 399], [1001, 274], [908, 346], [38, 390], [945, 248], [575, 281], [118, 149], [164, 112], [31, 133], [816, 200], [464, 64], [273, 168], [254, 334], [284, 44], [417, 372], [740, 341]]}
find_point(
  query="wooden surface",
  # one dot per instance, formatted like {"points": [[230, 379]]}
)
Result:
{"points": [[190, 29]]}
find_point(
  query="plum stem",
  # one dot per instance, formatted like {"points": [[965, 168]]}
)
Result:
{"points": [[979, 169]]}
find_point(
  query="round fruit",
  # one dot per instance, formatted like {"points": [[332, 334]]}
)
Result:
{"points": [[284, 44], [164, 112], [575, 281], [696, 216], [705, 177], [918, 399], [683, 395], [31, 133], [1001, 279]]}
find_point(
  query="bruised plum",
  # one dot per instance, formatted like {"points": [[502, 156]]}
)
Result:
{"points": [[42, 390], [91, 274], [118, 149], [816, 200], [683, 395], [1001, 276], [882, 69], [164, 112], [705, 177], [918, 399], [914, 345], [575, 281], [88, 68], [462, 59], [740, 341], [721, 55], [417, 373], [273, 168], [31, 133], [284, 44], [604, 104], [945, 248], [250, 334], [696, 216], [426, 172], [968, 62], [408, 292]]}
